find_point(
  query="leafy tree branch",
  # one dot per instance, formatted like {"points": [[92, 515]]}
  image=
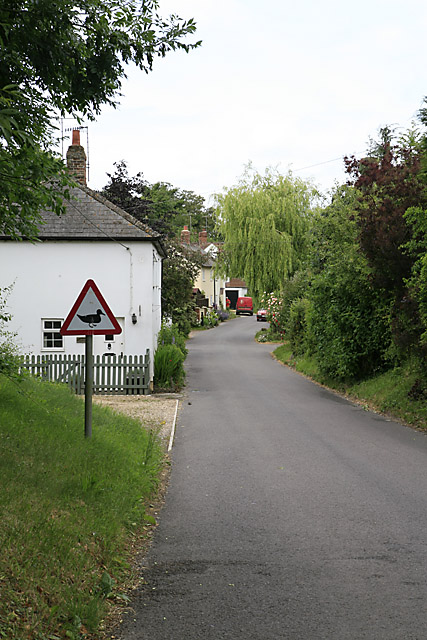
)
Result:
{"points": [[61, 57]]}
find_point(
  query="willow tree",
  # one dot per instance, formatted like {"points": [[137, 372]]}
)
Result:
{"points": [[264, 221]]}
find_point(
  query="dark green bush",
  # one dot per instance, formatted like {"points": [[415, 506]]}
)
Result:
{"points": [[184, 318], [293, 289], [296, 328], [348, 321], [348, 326]]}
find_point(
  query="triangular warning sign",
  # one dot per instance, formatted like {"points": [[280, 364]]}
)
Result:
{"points": [[90, 315]]}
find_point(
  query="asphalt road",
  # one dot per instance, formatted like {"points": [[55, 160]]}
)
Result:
{"points": [[291, 513]]}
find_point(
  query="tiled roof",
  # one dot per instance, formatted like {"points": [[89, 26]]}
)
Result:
{"points": [[208, 260], [89, 216], [235, 282]]}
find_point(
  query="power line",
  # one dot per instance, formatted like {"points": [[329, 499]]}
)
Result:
{"points": [[318, 164], [311, 166]]}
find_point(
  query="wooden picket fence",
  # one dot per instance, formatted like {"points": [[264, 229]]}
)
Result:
{"points": [[113, 374]]}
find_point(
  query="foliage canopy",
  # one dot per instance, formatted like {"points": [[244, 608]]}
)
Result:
{"points": [[61, 57], [389, 184], [347, 317], [164, 208], [180, 269]]}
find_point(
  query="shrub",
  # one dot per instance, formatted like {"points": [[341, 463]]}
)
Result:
{"points": [[211, 318], [348, 321], [223, 315], [262, 336], [293, 289], [9, 358], [269, 335], [278, 305], [168, 367], [296, 329], [347, 325], [172, 335], [272, 303], [184, 317]]}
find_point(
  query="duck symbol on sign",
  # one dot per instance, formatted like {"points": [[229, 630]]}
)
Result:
{"points": [[92, 319]]}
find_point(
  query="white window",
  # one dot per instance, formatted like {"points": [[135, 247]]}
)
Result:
{"points": [[51, 338]]}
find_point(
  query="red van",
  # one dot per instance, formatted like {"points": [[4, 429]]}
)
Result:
{"points": [[244, 305]]}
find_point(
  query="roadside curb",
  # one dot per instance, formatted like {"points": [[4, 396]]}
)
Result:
{"points": [[172, 435]]}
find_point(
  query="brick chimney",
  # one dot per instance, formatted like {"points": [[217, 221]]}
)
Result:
{"points": [[203, 238], [76, 158], [185, 235]]}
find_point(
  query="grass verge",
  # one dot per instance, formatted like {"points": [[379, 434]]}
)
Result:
{"points": [[386, 393], [69, 508]]}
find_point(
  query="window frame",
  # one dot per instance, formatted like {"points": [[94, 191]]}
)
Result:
{"points": [[52, 330]]}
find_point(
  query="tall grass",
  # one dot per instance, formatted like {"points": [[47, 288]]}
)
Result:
{"points": [[67, 507], [169, 370]]}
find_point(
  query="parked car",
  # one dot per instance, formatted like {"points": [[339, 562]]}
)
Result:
{"points": [[261, 315], [244, 305]]}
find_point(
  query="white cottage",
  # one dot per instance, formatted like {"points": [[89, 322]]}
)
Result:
{"points": [[95, 240]]}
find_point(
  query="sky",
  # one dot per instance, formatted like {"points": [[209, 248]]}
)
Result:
{"points": [[294, 85]]}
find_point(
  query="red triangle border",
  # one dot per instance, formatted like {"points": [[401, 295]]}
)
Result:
{"points": [[90, 284]]}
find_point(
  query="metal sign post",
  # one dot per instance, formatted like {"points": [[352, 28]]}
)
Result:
{"points": [[88, 385], [90, 316]]}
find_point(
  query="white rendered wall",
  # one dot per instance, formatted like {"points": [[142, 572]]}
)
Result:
{"points": [[207, 285], [47, 278]]}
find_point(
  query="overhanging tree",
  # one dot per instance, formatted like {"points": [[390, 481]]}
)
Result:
{"points": [[264, 222], [61, 57]]}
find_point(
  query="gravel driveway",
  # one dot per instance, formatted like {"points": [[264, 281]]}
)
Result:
{"points": [[156, 411]]}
